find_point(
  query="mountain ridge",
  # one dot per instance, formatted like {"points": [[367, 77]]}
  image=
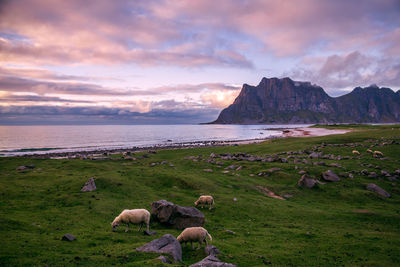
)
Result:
{"points": [[279, 101]]}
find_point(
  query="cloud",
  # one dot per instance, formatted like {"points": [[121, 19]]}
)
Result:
{"points": [[340, 73], [12, 115]]}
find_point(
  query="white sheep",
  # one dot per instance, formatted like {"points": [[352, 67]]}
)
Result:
{"points": [[356, 152], [205, 200], [369, 151], [135, 216], [378, 154], [194, 234]]}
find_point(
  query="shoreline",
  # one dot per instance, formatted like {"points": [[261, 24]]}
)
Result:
{"points": [[94, 154]]}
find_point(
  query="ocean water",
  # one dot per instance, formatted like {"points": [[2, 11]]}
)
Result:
{"points": [[19, 140]]}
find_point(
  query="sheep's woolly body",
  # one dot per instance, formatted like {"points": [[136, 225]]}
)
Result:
{"points": [[194, 234], [135, 216], [205, 200], [378, 153], [356, 152], [369, 151]]}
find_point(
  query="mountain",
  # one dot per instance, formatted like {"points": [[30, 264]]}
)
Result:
{"points": [[275, 101]]}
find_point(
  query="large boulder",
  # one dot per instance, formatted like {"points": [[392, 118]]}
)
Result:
{"points": [[330, 176], [166, 244], [89, 186], [306, 181], [211, 261], [378, 190], [179, 217]]}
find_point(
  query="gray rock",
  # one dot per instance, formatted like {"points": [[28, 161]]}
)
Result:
{"points": [[306, 181], [385, 173], [208, 170], [166, 244], [212, 155], [330, 176], [364, 172], [211, 261], [179, 217], [315, 155], [164, 259], [211, 250], [89, 186], [272, 170], [68, 237], [372, 175], [150, 233], [378, 190], [26, 167], [302, 172]]}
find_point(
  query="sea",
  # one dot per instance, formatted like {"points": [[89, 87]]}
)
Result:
{"points": [[22, 140]]}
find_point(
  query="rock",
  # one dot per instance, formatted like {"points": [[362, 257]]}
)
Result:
{"points": [[239, 168], [364, 172], [385, 173], [21, 168], [337, 165], [179, 217], [212, 155], [68, 237], [378, 190], [272, 170], [164, 259], [302, 172], [150, 233], [330, 176], [315, 155], [211, 250], [372, 175], [306, 181], [211, 261], [166, 244], [351, 176], [287, 195], [230, 231], [231, 167], [234, 199], [89, 186], [208, 170]]}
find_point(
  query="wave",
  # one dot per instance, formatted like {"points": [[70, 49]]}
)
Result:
{"points": [[31, 149]]}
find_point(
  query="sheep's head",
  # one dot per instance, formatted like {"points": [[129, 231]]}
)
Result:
{"points": [[196, 203], [114, 225]]}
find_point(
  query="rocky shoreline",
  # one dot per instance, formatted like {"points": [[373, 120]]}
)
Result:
{"points": [[104, 153]]}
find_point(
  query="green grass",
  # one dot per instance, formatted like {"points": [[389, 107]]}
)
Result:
{"points": [[316, 227]]}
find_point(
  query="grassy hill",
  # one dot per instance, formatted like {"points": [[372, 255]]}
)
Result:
{"points": [[334, 224]]}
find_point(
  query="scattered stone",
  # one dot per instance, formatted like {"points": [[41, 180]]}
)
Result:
{"points": [[302, 172], [225, 172], [372, 175], [231, 167], [330, 176], [220, 163], [337, 165], [287, 195], [321, 163], [239, 168], [272, 170], [385, 173], [164, 162], [208, 170], [230, 231], [315, 155], [26, 167], [211, 250], [179, 217], [234, 199], [166, 244], [378, 190], [150, 233], [364, 172], [164, 259], [68, 237], [212, 155], [306, 181], [211, 261], [153, 164], [89, 186], [351, 176]]}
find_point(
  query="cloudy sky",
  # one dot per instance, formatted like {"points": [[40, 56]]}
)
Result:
{"points": [[173, 61]]}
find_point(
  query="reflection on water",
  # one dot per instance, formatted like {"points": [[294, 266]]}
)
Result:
{"points": [[16, 140]]}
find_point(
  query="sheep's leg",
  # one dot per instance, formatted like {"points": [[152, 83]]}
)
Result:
{"points": [[127, 228], [210, 206], [140, 228], [205, 240], [200, 242], [191, 243], [148, 227]]}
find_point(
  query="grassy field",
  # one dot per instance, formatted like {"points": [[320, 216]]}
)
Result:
{"points": [[336, 224]]}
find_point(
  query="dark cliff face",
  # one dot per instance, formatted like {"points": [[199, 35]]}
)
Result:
{"points": [[285, 101]]}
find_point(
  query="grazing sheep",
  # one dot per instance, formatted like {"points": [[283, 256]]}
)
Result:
{"points": [[204, 200], [378, 154], [369, 151], [136, 216], [356, 152], [194, 234]]}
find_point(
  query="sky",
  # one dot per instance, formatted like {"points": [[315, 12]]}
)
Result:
{"points": [[175, 61]]}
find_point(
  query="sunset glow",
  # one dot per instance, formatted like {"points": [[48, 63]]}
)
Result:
{"points": [[128, 61]]}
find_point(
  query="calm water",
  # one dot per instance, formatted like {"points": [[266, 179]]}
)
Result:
{"points": [[17, 140]]}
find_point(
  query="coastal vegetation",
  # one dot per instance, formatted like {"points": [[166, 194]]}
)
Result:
{"points": [[261, 215]]}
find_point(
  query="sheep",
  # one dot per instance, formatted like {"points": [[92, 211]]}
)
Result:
{"points": [[378, 154], [135, 216], [194, 234], [369, 151], [205, 200], [356, 152]]}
